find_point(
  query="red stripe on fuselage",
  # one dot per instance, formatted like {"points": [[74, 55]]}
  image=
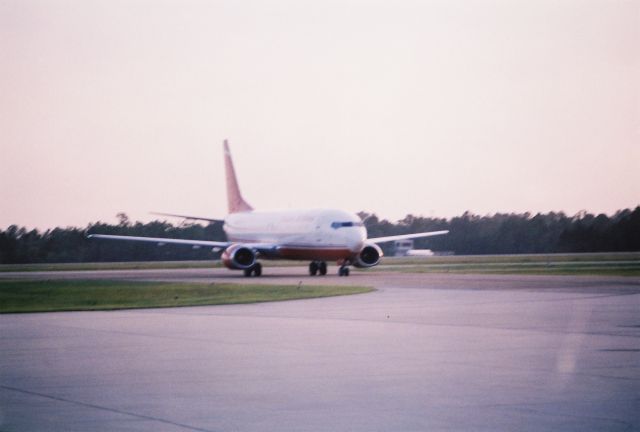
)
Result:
{"points": [[314, 254]]}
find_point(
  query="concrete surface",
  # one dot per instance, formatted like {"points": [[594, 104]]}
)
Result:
{"points": [[424, 352]]}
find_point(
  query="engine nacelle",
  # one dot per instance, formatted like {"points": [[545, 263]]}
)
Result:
{"points": [[238, 257], [369, 256]]}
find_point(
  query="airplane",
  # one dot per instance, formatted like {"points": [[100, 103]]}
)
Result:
{"points": [[315, 235]]}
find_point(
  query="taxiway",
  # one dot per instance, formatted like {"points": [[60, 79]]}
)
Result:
{"points": [[424, 352]]}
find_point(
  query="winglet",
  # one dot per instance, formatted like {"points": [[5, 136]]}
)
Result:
{"points": [[234, 197]]}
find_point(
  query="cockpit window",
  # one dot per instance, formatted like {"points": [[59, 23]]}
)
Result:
{"points": [[336, 225]]}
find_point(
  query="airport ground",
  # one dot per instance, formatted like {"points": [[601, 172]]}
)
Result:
{"points": [[425, 351], [608, 263]]}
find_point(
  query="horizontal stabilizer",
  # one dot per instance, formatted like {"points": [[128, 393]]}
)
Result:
{"points": [[188, 217]]}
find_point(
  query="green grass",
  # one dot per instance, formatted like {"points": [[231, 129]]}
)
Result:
{"points": [[520, 258], [141, 265], [540, 270], [136, 265], [624, 263], [82, 295], [612, 264]]}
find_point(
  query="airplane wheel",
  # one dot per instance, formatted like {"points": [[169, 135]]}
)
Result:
{"points": [[256, 270], [313, 268], [343, 271], [322, 268]]}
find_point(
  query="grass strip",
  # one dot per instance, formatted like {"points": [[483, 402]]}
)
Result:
{"points": [[134, 265], [600, 269], [622, 258], [86, 295], [518, 258]]}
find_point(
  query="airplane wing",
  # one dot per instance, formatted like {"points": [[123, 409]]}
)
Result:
{"points": [[265, 249], [160, 240], [188, 217], [406, 236]]}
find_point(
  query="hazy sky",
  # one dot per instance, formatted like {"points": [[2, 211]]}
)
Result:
{"points": [[394, 107]]}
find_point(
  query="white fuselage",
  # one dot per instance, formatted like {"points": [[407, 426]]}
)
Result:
{"points": [[300, 234]]}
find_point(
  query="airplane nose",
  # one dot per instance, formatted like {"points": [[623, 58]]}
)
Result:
{"points": [[356, 239]]}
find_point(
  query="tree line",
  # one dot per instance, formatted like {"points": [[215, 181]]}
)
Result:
{"points": [[500, 233]]}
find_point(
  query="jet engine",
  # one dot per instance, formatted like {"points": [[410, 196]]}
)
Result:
{"points": [[369, 256], [238, 257]]}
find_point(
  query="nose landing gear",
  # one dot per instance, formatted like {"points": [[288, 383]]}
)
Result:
{"points": [[344, 267]]}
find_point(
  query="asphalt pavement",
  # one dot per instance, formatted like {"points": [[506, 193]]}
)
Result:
{"points": [[423, 352]]}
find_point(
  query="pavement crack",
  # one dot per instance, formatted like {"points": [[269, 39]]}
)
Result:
{"points": [[102, 408]]}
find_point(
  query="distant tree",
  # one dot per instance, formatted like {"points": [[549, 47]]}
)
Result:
{"points": [[469, 234], [123, 219]]}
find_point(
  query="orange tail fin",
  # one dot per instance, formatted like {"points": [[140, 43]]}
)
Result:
{"points": [[234, 197]]}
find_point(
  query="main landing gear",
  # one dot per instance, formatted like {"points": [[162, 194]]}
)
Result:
{"points": [[256, 270], [318, 267]]}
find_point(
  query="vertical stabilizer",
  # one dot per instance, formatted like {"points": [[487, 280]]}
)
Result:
{"points": [[234, 197]]}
